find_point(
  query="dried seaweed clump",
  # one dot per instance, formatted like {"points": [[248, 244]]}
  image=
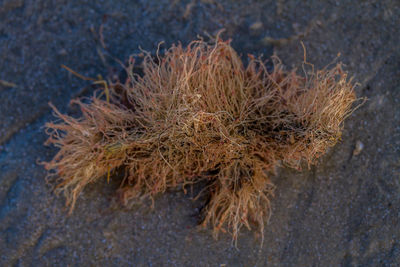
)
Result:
{"points": [[198, 113]]}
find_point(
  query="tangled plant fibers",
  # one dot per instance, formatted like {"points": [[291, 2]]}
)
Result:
{"points": [[197, 113]]}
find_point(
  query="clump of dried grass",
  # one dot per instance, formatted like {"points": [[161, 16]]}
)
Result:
{"points": [[197, 113]]}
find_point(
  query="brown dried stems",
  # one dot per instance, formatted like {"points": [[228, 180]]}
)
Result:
{"points": [[197, 113]]}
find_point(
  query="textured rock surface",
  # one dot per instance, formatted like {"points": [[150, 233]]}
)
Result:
{"points": [[344, 211]]}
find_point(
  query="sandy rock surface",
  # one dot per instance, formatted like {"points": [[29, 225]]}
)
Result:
{"points": [[343, 212]]}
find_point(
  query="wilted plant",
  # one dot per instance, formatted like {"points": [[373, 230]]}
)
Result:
{"points": [[197, 113]]}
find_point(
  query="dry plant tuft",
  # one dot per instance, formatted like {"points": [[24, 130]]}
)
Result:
{"points": [[197, 113]]}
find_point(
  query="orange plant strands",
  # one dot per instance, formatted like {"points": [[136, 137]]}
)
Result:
{"points": [[199, 114]]}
